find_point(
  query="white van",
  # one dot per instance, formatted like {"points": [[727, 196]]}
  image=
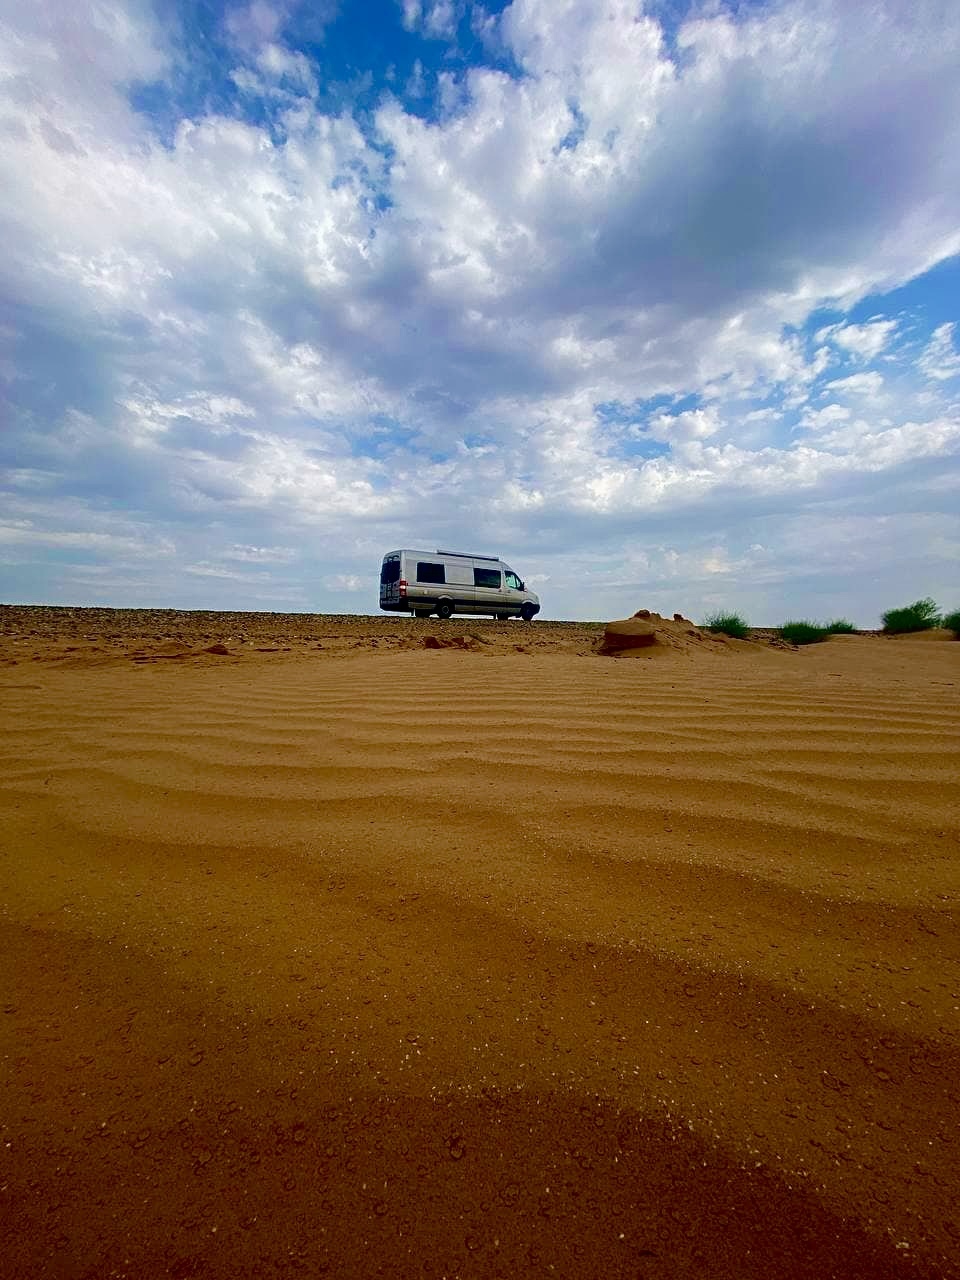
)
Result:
{"points": [[447, 582]]}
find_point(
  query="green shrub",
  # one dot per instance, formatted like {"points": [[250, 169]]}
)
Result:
{"points": [[841, 627], [803, 632], [922, 615], [727, 624], [952, 622]]}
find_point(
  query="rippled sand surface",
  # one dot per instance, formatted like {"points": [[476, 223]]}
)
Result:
{"points": [[497, 959]]}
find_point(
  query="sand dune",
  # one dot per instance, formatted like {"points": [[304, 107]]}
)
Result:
{"points": [[493, 958]]}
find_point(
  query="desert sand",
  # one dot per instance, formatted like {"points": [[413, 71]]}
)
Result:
{"points": [[381, 947]]}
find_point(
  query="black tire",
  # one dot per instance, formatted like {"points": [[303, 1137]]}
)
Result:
{"points": [[444, 609], [528, 612]]}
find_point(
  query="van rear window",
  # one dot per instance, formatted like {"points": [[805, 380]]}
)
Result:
{"points": [[390, 572], [486, 577], [427, 572]]}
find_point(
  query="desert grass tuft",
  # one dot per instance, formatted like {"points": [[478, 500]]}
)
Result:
{"points": [[727, 624], [922, 615], [841, 627], [803, 632], [952, 623]]}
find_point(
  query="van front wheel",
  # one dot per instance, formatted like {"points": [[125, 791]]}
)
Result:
{"points": [[528, 612], [444, 609]]}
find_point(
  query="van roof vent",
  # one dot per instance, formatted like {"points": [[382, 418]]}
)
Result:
{"points": [[466, 555]]}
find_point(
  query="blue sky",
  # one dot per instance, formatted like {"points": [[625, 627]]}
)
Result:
{"points": [[658, 301]]}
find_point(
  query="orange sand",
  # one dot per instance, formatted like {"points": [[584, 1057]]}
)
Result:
{"points": [[337, 954]]}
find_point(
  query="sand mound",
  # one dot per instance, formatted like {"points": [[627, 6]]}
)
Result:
{"points": [[935, 633], [648, 633], [450, 642]]}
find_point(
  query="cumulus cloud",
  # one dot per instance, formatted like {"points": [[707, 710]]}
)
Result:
{"points": [[436, 19], [864, 341], [558, 307], [694, 424], [817, 419]]}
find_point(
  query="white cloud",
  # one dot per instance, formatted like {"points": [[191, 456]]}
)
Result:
{"points": [[203, 569], [440, 20], [346, 582], [817, 419], [253, 24], [261, 555], [857, 384], [278, 63], [26, 535], [694, 424], [865, 341], [416, 86], [436, 19], [412, 13], [940, 360]]}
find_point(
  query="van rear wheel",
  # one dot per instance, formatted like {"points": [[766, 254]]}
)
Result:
{"points": [[444, 609]]}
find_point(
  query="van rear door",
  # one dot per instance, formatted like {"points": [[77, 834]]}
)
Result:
{"points": [[390, 580]]}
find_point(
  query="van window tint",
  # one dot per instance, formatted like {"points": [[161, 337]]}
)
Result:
{"points": [[486, 577], [427, 572], [514, 582], [390, 572]]}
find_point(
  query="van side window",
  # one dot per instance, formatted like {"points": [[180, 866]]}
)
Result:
{"points": [[486, 577], [514, 582], [427, 572]]}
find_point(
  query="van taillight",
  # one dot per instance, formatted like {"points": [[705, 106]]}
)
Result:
{"points": [[403, 587]]}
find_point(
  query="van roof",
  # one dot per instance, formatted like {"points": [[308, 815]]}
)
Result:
{"points": [[459, 555], [465, 555]]}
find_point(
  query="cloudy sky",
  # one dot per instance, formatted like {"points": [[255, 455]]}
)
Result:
{"points": [[657, 300]]}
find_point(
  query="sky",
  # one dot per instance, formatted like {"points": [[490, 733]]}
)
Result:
{"points": [[658, 301]]}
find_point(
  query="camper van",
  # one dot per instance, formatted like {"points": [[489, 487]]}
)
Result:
{"points": [[448, 582]]}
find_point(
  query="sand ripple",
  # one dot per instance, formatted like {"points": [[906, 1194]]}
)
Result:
{"points": [[484, 963]]}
